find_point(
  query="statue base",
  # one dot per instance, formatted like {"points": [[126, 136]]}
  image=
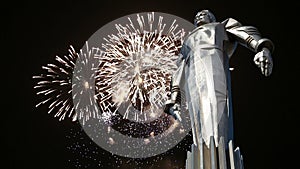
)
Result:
{"points": [[221, 157]]}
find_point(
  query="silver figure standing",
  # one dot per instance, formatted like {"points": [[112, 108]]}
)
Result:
{"points": [[203, 75]]}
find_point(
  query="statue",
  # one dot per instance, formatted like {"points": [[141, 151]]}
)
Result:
{"points": [[203, 75]]}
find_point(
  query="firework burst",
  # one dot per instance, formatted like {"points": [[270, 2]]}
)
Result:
{"points": [[132, 84], [62, 88], [55, 85], [137, 66]]}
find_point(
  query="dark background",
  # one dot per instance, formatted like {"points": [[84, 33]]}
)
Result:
{"points": [[265, 109]]}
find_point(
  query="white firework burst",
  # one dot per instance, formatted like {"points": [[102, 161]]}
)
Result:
{"points": [[62, 88], [134, 75]]}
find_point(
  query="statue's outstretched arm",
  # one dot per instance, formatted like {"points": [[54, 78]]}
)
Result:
{"points": [[250, 37]]}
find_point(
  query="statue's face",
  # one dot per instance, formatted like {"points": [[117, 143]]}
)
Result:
{"points": [[202, 17]]}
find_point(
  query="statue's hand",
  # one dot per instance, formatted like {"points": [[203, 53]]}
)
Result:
{"points": [[173, 109], [263, 60]]}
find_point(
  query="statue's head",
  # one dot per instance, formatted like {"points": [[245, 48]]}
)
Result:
{"points": [[204, 17]]}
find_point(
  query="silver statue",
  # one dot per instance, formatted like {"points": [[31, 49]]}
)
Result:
{"points": [[203, 75]]}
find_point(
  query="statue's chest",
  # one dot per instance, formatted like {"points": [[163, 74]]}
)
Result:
{"points": [[208, 35]]}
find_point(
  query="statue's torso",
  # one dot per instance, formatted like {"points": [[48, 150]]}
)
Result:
{"points": [[205, 80]]}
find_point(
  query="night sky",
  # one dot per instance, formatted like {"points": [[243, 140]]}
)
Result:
{"points": [[265, 109]]}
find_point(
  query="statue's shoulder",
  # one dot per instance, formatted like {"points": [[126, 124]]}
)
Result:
{"points": [[231, 23]]}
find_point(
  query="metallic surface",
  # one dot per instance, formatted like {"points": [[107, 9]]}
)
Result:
{"points": [[211, 160], [222, 154], [203, 75]]}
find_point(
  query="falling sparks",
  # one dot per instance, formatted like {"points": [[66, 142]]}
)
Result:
{"points": [[88, 155]]}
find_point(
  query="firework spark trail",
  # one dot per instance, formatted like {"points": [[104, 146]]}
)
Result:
{"points": [[138, 64], [83, 81], [62, 88], [55, 85]]}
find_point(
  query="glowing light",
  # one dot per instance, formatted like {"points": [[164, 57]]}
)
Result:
{"points": [[111, 141], [86, 85], [146, 141]]}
